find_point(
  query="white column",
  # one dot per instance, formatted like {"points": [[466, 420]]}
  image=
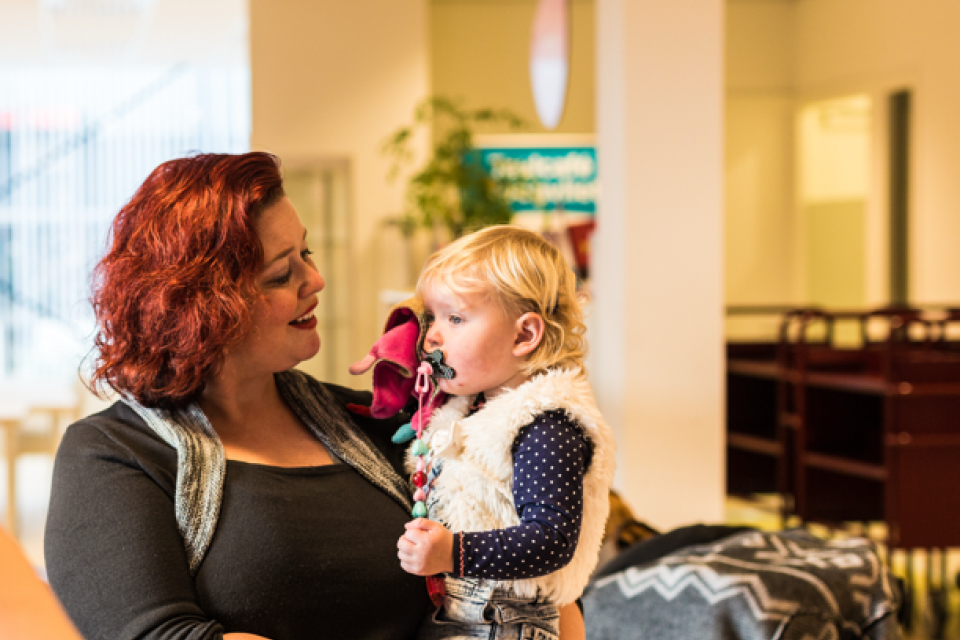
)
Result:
{"points": [[657, 333]]}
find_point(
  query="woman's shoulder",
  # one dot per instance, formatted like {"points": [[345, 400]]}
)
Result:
{"points": [[303, 380], [117, 419], [118, 433], [357, 402], [347, 396]]}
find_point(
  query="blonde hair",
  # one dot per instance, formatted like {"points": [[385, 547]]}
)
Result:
{"points": [[525, 273]]}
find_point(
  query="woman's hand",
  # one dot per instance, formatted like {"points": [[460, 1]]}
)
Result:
{"points": [[571, 623], [426, 548]]}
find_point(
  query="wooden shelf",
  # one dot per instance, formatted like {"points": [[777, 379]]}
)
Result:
{"points": [[854, 434], [754, 444], [790, 420], [855, 382], [754, 368], [845, 466]]}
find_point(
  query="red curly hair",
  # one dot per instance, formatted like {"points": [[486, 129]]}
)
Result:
{"points": [[175, 290]]}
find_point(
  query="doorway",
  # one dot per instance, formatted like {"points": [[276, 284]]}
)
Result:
{"points": [[320, 192], [834, 147]]}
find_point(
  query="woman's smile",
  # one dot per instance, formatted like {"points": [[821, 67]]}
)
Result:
{"points": [[307, 321]]}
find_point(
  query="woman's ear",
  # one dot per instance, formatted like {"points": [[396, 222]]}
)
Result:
{"points": [[529, 333]]}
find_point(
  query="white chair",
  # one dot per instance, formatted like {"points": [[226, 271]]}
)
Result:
{"points": [[33, 421], [11, 416]]}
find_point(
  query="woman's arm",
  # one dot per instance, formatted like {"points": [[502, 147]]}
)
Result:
{"points": [[115, 556], [28, 610]]}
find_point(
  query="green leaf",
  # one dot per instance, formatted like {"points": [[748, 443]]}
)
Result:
{"points": [[451, 187]]}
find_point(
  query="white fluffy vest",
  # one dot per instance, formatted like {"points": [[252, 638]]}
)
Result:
{"points": [[474, 491]]}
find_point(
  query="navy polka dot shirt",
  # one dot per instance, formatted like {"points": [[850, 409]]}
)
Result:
{"points": [[550, 457]]}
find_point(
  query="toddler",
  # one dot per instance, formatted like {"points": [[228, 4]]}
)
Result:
{"points": [[520, 462]]}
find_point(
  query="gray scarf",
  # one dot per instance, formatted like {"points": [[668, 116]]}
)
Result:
{"points": [[201, 464]]}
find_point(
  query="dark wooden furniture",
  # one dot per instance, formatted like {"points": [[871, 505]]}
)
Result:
{"points": [[869, 432], [875, 431], [754, 449], [758, 459], [864, 429]]}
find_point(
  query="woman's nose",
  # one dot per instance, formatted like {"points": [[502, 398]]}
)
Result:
{"points": [[313, 284]]}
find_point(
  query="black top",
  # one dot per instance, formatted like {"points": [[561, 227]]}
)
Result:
{"points": [[298, 553], [550, 458]]}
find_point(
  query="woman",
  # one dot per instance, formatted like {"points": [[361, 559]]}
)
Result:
{"points": [[226, 495]]}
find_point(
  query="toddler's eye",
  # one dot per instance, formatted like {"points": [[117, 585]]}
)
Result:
{"points": [[455, 319]]}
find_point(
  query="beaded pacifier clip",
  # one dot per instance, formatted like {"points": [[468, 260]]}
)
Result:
{"points": [[421, 451]]}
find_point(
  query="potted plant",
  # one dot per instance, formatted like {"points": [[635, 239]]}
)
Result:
{"points": [[452, 191]]}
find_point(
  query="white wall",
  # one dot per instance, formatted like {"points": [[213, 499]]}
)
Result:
{"points": [[877, 46], [331, 79], [481, 54], [760, 244], [658, 265]]}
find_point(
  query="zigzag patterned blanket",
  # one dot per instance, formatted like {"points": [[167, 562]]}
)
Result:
{"points": [[787, 585]]}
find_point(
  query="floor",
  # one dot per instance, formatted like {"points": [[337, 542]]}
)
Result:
{"points": [[33, 491]]}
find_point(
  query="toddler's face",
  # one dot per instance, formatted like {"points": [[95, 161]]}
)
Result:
{"points": [[477, 339]]}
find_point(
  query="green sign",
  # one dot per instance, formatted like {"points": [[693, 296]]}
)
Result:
{"points": [[563, 178]]}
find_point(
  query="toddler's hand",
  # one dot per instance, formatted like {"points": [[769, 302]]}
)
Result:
{"points": [[426, 548]]}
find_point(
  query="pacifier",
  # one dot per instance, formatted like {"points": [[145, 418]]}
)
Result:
{"points": [[440, 370]]}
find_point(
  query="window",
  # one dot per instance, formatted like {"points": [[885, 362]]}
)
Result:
{"points": [[74, 145]]}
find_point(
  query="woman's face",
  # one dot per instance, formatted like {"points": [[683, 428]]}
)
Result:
{"points": [[284, 329]]}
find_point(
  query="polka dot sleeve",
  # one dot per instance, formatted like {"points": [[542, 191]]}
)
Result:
{"points": [[550, 458]]}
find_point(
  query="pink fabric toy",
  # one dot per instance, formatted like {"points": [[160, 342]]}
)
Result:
{"points": [[395, 358]]}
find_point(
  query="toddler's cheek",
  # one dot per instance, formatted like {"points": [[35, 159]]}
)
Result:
{"points": [[453, 387]]}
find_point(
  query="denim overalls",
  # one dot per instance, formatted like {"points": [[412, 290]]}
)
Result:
{"points": [[474, 608]]}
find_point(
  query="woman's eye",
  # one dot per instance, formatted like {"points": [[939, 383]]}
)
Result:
{"points": [[305, 253], [281, 280]]}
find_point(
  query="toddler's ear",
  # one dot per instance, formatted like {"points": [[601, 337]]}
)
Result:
{"points": [[529, 333]]}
